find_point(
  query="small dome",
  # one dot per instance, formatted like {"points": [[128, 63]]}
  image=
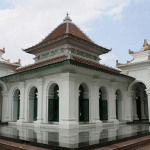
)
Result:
{"points": [[67, 18]]}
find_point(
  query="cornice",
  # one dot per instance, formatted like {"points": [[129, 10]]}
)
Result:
{"points": [[64, 63], [29, 50]]}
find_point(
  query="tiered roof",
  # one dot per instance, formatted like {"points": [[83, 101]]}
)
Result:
{"points": [[63, 61], [61, 30], [67, 27]]}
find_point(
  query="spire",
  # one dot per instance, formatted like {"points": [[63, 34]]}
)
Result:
{"points": [[67, 18]]}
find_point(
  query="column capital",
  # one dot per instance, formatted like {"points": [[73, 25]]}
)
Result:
{"points": [[147, 92], [130, 93], [119, 97], [40, 80], [113, 83], [96, 80], [5, 93], [22, 84], [69, 76]]}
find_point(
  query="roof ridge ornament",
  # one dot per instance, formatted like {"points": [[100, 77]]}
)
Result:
{"points": [[67, 18], [67, 28], [145, 43], [131, 52]]}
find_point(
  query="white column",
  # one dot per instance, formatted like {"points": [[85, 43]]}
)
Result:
{"points": [[40, 82], [95, 101], [112, 103], [5, 107], [129, 106], [22, 103], [39, 134], [30, 107], [148, 97], [48, 96], [14, 108], [68, 119], [142, 105], [135, 116]]}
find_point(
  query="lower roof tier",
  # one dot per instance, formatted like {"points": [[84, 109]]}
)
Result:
{"points": [[63, 61]]}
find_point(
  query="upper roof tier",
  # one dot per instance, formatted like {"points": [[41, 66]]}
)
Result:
{"points": [[67, 27]]}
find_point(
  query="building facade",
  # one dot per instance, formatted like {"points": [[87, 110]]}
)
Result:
{"points": [[67, 87]]}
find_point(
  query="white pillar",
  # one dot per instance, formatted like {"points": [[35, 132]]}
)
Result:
{"points": [[49, 95], [129, 106], [40, 82], [95, 101], [68, 119], [112, 103], [22, 103], [5, 106], [39, 134], [148, 97], [142, 105], [14, 108]]}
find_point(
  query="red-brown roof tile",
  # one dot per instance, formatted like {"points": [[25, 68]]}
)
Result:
{"points": [[94, 64], [74, 30], [61, 30], [42, 64]]}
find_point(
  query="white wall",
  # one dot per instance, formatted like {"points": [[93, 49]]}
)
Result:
{"points": [[79, 79]]}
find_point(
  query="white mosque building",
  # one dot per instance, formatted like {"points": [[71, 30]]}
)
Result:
{"points": [[67, 87]]}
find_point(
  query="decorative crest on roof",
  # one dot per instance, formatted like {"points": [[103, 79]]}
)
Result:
{"points": [[145, 43], [67, 18], [146, 46], [2, 50], [18, 63], [118, 64], [131, 52]]}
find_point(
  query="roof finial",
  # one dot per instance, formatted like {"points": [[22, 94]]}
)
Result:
{"points": [[67, 18]]}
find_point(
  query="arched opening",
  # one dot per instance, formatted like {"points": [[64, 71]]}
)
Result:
{"points": [[53, 103], [140, 102], [103, 104], [118, 105], [33, 104], [83, 102], [16, 105], [1, 103]]}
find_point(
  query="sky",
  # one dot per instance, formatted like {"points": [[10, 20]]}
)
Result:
{"points": [[117, 24]]}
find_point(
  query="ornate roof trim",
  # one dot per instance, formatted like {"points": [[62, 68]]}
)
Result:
{"points": [[2, 50], [64, 63], [105, 50], [131, 52]]}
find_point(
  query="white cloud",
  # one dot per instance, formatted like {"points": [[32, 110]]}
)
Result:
{"points": [[27, 22], [108, 59]]}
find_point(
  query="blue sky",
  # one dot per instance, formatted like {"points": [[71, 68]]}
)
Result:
{"points": [[117, 24]]}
